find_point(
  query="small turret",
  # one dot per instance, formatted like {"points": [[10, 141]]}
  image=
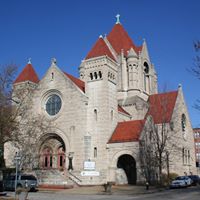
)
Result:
{"points": [[132, 66], [28, 74]]}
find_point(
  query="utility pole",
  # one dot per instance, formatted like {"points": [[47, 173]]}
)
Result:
{"points": [[17, 159]]}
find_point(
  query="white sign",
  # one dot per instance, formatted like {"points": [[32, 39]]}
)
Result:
{"points": [[89, 165], [90, 173]]}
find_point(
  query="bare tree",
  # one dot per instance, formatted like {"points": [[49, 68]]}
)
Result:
{"points": [[7, 120], [19, 126], [147, 156], [29, 126], [158, 141], [196, 68]]}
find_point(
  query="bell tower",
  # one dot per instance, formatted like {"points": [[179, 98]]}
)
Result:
{"points": [[100, 76]]}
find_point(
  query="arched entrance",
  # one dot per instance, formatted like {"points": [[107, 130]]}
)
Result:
{"points": [[128, 164], [52, 152], [47, 159]]}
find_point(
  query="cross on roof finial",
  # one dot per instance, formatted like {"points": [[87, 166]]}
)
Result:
{"points": [[117, 16], [53, 60], [29, 61]]}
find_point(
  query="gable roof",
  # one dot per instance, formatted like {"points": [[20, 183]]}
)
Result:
{"points": [[27, 74], [99, 49], [119, 39], [161, 106], [120, 109], [127, 131], [76, 81]]}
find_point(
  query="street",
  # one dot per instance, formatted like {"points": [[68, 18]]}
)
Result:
{"points": [[192, 193]]}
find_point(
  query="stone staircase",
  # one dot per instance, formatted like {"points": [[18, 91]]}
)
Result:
{"points": [[53, 178]]}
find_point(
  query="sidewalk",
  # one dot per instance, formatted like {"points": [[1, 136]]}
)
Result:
{"points": [[99, 190]]}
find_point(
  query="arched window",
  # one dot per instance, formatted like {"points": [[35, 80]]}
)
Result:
{"points": [[52, 76], [95, 152], [100, 74], [150, 135], [111, 115], [188, 156], [130, 75], [146, 77], [183, 122], [91, 76], [95, 114], [95, 75], [146, 68]]}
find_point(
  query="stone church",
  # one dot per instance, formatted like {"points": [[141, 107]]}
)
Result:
{"points": [[99, 120]]}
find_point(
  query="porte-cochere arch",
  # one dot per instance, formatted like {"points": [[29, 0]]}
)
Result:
{"points": [[125, 160], [128, 164]]}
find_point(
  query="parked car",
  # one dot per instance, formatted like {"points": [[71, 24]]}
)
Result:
{"points": [[22, 179], [195, 179], [181, 181]]}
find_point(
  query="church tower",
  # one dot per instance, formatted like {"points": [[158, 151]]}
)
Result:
{"points": [[26, 82], [99, 72]]}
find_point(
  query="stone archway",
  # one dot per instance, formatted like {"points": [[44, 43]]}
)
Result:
{"points": [[128, 164], [52, 152]]}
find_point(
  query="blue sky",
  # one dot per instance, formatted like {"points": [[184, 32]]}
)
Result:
{"points": [[67, 30]]}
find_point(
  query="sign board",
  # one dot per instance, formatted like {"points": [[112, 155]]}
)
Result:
{"points": [[89, 165], [90, 173]]}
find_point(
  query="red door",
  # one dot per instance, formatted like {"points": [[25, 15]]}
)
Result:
{"points": [[47, 158]]}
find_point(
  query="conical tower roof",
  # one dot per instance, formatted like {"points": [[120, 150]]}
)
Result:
{"points": [[100, 49], [27, 74], [119, 39]]}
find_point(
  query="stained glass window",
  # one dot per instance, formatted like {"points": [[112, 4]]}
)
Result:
{"points": [[53, 104]]}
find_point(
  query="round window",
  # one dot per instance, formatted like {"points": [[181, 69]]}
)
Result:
{"points": [[53, 104]]}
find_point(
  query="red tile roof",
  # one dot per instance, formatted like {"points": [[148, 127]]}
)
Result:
{"points": [[28, 74], [161, 106], [76, 81], [119, 39], [100, 49], [128, 131], [120, 109]]}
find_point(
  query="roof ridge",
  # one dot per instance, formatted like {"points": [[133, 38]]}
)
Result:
{"points": [[76, 81], [168, 92]]}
